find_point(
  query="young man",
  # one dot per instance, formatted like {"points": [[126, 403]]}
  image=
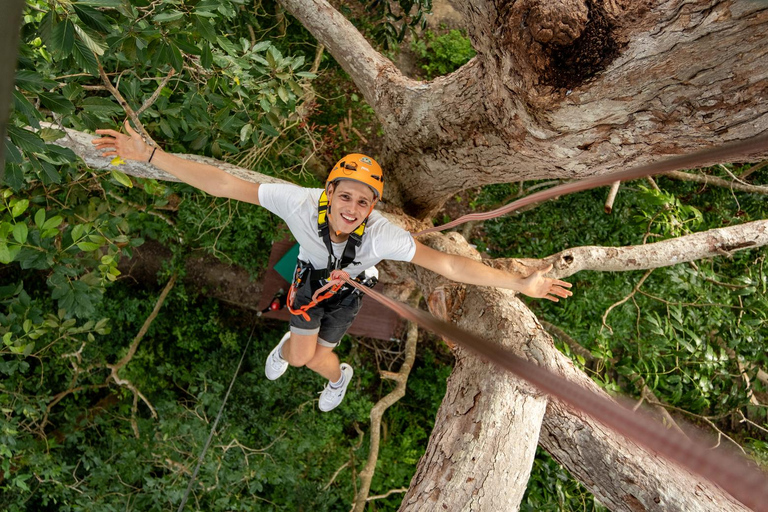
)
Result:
{"points": [[336, 227]]}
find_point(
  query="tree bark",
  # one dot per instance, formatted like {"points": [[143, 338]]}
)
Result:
{"points": [[624, 476], [565, 89], [696, 246]]}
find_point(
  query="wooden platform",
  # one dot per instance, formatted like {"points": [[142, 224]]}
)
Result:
{"points": [[373, 321]]}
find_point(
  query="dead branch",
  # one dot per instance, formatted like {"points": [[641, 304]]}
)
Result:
{"points": [[625, 299], [387, 494], [151, 100], [123, 103], [754, 168], [612, 196], [718, 182], [401, 378], [696, 246], [115, 368], [574, 345]]}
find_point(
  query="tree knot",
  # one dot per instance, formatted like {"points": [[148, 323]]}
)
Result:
{"points": [[558, 22]]}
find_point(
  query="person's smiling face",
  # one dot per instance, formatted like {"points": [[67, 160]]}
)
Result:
{"points": [[351, 203]]}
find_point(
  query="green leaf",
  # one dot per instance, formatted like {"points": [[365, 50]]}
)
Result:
{"points": [[51, 135], [261, 46], [177, 61], [77, 232], [40, 218], [12, 154], [88, 246], [14, 176], [205, 28], [269, 130], [282, 93], [19, 207], [171, 15], [63, 38], [92, 18], [53, 222], [8, 252], [85, 58], [32, 81], [99, 105], [306, 74], [206, 59], [56, 103], [20, 232], [89, 42], [122, 178], [26, 140], [23, 106], [102, 3]]}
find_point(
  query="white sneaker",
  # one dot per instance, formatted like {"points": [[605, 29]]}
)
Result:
{"points": [[330, 398], [276, 365]]}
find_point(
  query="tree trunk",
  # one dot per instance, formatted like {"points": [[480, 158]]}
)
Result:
{"points": [[624, 476], [482, 447], [565, 89]]}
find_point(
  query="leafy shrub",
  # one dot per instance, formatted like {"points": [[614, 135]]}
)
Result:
{"points": [[442, 54]]}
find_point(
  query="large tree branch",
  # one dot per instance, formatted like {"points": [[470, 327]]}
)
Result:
{"points": [[367, 67], [674, 77], [80, 143], [706, 244]]}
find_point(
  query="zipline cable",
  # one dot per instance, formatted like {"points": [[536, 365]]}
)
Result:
{"points": [[747, 484], [724, 153], [215, 423]]}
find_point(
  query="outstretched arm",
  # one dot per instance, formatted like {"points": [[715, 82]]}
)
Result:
{"points": [[465, 270], [207, 178]]}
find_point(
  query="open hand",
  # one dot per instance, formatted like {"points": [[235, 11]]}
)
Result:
{"points": [[536, 285], [128, 147]]}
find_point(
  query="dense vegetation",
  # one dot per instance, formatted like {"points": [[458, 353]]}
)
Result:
{"points": [[76, 434]]}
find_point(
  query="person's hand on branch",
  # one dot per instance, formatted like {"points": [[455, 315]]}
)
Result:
{"points": [[539, 286], [128, 147]]}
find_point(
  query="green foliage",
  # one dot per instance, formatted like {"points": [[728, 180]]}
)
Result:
{"points": [[551, 488], [442, 54], [389, 22], [274, 449]]}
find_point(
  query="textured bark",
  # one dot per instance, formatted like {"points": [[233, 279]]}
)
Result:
{"points": [[697, 246], [486, 431], [80, 143], [552, 95]]}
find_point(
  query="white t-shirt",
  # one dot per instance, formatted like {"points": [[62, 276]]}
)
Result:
{"points": [[297, 206]]}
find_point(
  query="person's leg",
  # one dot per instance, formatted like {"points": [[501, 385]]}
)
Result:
{"points": [[325, 362], [300, 349]]}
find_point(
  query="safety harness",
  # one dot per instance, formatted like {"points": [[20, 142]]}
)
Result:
{"points": [[306, 273]]}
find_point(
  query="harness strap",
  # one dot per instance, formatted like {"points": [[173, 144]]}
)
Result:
{"points": [[336, 282]]}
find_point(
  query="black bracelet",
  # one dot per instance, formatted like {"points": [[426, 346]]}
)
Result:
{"points": [[153, 154]]}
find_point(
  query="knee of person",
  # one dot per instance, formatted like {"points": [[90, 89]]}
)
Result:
{"points": [[297, 358], [315, 363]]}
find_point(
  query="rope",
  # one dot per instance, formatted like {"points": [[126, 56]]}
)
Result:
{"points": [[215, 423], [725, 153], [745, 483]]}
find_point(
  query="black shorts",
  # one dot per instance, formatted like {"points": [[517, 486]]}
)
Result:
{"points": [[329, 319]]}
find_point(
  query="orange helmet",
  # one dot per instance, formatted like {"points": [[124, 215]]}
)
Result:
{"points": [[360, 168]]}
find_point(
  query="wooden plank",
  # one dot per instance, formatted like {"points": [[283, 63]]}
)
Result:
{"points": [[373, 321]]}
